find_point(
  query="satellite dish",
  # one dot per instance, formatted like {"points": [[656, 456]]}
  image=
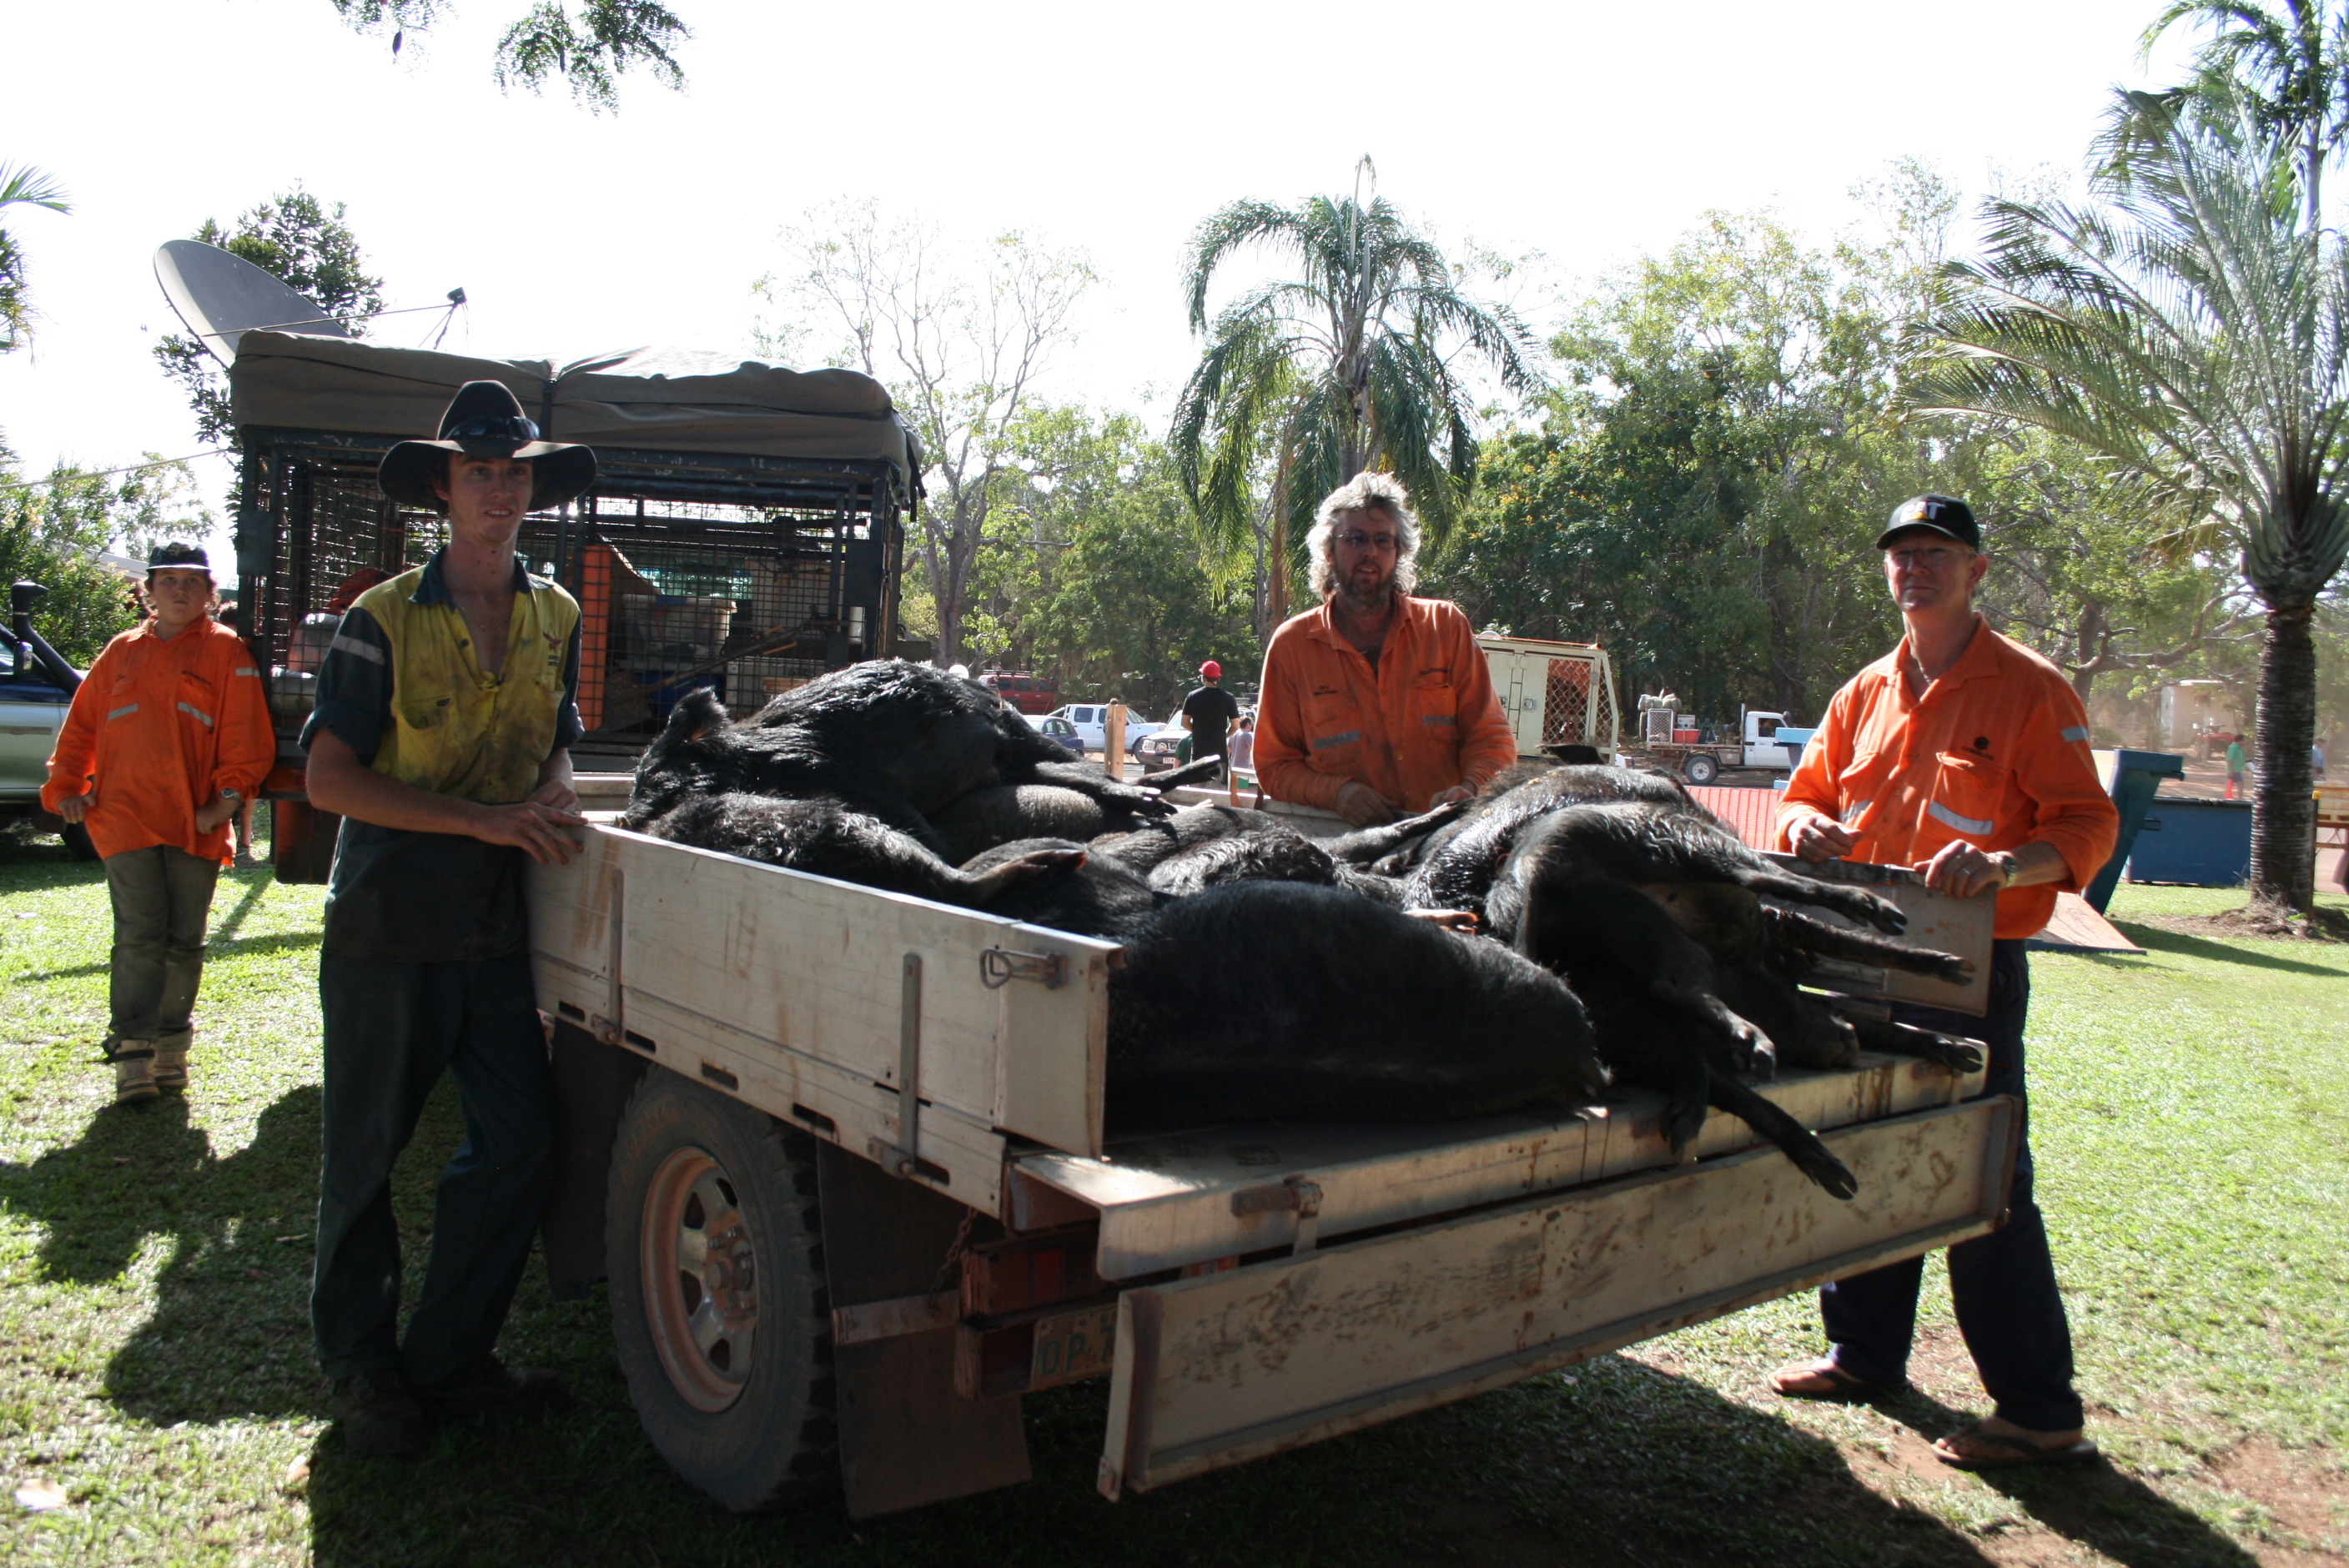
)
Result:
{"points": [[222, 296]]}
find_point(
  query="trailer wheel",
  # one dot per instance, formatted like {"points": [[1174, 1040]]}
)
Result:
{"points": [[1700, 769], [719, 1311], [77, 842]]}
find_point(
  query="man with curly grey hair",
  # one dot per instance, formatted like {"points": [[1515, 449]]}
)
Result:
{"points": [[1376, 704]]}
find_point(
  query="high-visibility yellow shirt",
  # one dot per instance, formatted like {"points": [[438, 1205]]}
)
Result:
{"points": [[1995, 753]]}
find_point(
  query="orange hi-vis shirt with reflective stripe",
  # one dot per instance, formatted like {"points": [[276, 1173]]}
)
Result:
{"points": [[162, 726], [1425, 719], [1996, 753]]}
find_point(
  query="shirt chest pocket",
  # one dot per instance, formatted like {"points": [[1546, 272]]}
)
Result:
{"points": [[1435, 704], [426, 713], [1967, 793], [1333, 727]]}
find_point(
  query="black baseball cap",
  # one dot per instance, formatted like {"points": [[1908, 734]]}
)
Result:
{"points": [[175, 553], [1941, 513]]}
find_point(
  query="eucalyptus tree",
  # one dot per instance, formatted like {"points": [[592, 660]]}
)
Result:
{"points": [[2187, 328], [1346, 360], [589, 51]]}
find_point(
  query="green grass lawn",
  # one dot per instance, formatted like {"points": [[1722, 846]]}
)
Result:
{"points": [[2191, 1123]]}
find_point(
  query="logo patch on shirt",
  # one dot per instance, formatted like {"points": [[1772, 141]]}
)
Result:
{"points": [[1981, 747]]}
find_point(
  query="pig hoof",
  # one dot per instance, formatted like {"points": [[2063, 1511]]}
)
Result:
{"points": [[1832, 1174]]}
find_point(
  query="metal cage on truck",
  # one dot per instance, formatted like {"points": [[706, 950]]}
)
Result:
{"points": [[730, 541]]}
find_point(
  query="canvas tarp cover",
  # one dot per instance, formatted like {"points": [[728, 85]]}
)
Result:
{"points": [[651, 399]]}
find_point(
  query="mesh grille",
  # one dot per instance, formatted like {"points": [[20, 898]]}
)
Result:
{"points": [[748, 576]]}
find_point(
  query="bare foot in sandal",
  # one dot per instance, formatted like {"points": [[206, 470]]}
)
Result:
{"points": [[1822, 1379], [1992, 1443]]}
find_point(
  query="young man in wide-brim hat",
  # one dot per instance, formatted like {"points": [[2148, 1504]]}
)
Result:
{"points": [[167, 739], [441, 737]]}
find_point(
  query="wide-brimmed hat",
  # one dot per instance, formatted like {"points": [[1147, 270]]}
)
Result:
{"points": [[485, 419], [172, 554]]}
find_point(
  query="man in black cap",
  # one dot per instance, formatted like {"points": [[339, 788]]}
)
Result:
{"points": [[444, 717], [1964, 756]]}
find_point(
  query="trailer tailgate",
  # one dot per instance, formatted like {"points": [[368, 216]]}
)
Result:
{"points": [[1226, 1367]]}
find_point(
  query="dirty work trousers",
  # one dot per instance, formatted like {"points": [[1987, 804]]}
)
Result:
{"points": [[2002, 1285], [161, 897], [390, 1029]]}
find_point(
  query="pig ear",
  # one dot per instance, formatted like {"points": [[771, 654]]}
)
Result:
{"points": [[698, 713]]}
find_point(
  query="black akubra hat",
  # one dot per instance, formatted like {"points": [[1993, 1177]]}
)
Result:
{"points": [[485, 419], [185, 556], [1941, 513]]}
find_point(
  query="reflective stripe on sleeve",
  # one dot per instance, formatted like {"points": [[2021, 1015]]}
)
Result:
{"points": [[1851, 813], [125, 711], [2078, 732], [1323, 742], [1439, 719], [195, 712], [1943, 815], [367, 651], [247, 670]]}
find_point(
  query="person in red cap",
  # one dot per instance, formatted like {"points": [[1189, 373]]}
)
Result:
{"points": [[1209, 713], [167, 736]]}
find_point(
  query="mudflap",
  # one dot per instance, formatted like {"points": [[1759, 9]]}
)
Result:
{"points": [[907, 1438], [593, 1082]]}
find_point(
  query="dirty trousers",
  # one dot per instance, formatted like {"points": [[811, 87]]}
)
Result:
{"points": [[161, 897], [390, 1029], [2002, 1285]]}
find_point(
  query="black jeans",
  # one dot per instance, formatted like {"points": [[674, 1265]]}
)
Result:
{"points": [[390, 1029], [161, 897], [2002, 1285]]}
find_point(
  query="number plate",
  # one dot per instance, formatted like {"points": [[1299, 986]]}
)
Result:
{"points": [[1074, 1345]]}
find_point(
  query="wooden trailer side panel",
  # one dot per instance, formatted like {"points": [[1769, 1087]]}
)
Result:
{"points": [[1220, 1368], [815, 999]]}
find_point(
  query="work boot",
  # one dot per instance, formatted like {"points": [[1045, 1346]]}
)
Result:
{"points": [[171, 1061], [490, 1387], [134, 1070], [377, 1415]]}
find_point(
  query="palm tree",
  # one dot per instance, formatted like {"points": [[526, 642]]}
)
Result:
{"points": [[2290, 71], [1309, 379], [2193, 332], [21, 185]]}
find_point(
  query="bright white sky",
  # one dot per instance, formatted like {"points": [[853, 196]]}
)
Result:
{"points": [[1591, 132]]}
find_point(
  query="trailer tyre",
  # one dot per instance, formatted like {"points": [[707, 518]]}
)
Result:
{"points": [[77, 842], [1700, 769], [719, 1311]]}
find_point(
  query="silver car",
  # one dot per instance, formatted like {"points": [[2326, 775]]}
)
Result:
{"points": [[34, 696]]}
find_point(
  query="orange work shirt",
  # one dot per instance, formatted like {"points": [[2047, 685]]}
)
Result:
{"points": [[1425, 719], [1996, 754], [161, 727]]}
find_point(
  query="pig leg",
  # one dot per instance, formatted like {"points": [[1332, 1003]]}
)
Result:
{"points": [[1790, 928], [1087, 780], [1907, 1040], [1367, 844], [1769, 882], [1810, 1156], [983, 888]]}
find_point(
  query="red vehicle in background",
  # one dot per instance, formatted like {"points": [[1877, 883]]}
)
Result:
{"points": [[1028, 692]]}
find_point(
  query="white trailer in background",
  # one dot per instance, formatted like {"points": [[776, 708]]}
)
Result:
{"points": [[841, 1155], [1555, 694]]}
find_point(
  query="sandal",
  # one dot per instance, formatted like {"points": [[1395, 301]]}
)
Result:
{"points": [[1823, 1380], [2004, 1452]]}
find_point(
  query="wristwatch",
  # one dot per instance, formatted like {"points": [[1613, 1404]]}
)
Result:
{"points": [[2008, 866], [232, 796]]}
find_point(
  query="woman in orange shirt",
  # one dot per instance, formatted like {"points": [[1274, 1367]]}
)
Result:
{"points": [[168, 734]]}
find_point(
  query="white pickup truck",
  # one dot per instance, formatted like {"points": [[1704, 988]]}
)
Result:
{"points": [[840, 1153]]}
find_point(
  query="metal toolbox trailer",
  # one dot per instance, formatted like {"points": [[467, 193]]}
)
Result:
{"points": [[840, 1153]]}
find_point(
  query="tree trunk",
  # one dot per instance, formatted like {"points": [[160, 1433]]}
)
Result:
{"points": [[1277, 568], [2283, 809]]}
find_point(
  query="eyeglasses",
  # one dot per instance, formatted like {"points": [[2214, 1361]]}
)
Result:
{"points": [[512, 427], [1355, 538], [1935, 560]]}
